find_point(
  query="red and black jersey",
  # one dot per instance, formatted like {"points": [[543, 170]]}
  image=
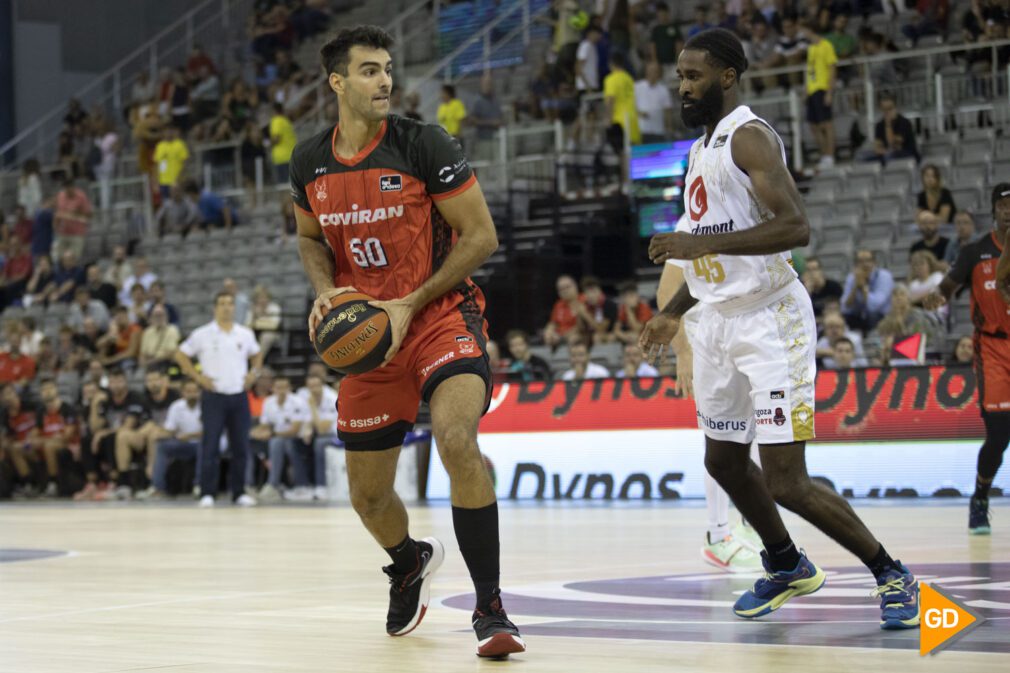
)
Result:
{"points": [[19, 425], [54, 423], [976, 267], [377, 209]]}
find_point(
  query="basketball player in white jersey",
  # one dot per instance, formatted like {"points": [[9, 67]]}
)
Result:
{"points": [[733, 550], [754, 355]]}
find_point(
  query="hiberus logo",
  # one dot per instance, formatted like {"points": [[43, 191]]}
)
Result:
{"points": [[356, 216]]}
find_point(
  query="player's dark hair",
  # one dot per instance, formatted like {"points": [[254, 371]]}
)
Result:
{"points": [[661, 7], [590, 281], [449, 89], [516, 333], [627, 286], [617, 59], [116, 371], [1002, 190], [723, 47], [191, 186], [222, 293], [335, 55], [845, 340]]}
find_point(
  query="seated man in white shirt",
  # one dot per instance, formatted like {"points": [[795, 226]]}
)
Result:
{"points": [[320, 432], [185, 429], [284, 414], [635, 364], [582, 368]]}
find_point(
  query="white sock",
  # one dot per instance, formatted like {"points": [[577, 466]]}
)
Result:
{"points": [[717, 503]]}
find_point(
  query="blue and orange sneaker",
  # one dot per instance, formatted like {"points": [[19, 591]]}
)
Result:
{"points": [[978, 517], [899, 599], [775, 588]]}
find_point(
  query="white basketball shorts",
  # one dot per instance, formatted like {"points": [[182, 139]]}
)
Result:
{"points": [[755, 368]]}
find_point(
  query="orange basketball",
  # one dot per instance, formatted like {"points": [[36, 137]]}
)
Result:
{"points": [[354, 336]]}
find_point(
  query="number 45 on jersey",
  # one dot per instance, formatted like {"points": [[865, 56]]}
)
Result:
{"points": [[710, 269]]}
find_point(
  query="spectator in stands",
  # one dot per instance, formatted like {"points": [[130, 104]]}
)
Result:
{"points": [[16, 271], [964, 229], [242, 303], [117, 410], [253, 148], [820, 288], [581, 367], [654, 104], [282, 143], [15, 366], [665, 41], [834, 330], [285, 414], [120, 269], [42, 229], [587, 63], [85, 306], [843, 355], [212, 209], [791, 48], [120, 346], [73, 216], [880, 72], [171, 155], [931, 19], [177, 214], [904, 320], [564, 320], [55, 431], [159, 340], [140, 305], [68, 276], [934, 197], [47, 363], [141, 274], [31, 336], [525, 366], [619, 97], [30, 187], [97, 287], [893, 135], [197, 61], [844, 43], [867, 294], [634, 365], [964, 352], [632, 313], [761, 50], [413, 102], [925, 275], [320, 428], [929, 227], [486, 115], [206, 95], [265, 319], [144, 434], [18, 424], [21, 226], [822, 73], [156, 297], [600, 312], [700, 21], [498, 367], [108, 145], [451, 111], [183, 429]]}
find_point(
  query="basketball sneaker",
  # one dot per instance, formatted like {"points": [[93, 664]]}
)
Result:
{"points": [[745, 534], [729, 554], [775, 588], [497, 636], [409, 594], [899, 598], [978, 517]]}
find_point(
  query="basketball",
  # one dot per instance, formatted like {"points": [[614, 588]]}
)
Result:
{"points": [[354, 336]]}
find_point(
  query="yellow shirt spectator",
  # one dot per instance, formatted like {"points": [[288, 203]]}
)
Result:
{"points": [[820, 57], [619, 91], [282, 135], [451, 115], [170, 155]]}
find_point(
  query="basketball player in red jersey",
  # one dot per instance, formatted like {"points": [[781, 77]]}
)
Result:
{"points": [[984, 266], [389, 206]]}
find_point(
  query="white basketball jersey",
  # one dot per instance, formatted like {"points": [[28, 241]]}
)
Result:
{"points": [[720, 199]]}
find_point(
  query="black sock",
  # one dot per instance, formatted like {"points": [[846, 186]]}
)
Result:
{"points": [[783, 555], [477, 535], [982, 488], [881, 563], [404, 555]]}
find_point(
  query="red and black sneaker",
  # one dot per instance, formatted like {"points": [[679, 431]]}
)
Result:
{"points": [[497, 637], [409, 594]]}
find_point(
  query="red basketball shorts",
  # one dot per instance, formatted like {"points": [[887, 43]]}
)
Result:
{"points": [[377, 409], [992, 369]]}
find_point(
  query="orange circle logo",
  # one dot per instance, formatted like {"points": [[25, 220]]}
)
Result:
{"points": [[697, 199]]}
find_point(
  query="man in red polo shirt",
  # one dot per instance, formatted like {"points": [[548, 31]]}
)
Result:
{"points": [[564, 322], [16, 367]]}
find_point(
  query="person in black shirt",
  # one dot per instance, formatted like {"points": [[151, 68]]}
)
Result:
{"points": [[934, 197], [112, 412], [893, 136], [821, 289], [55, 431], [929, 225], [17, 423], [149, 427], [525, 365], [98, 288]]}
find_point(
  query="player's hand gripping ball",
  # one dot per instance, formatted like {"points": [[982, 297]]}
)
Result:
{"points": [[353, 336]]}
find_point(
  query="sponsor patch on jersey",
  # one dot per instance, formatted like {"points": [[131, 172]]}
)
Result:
{"points": [[778, 394], [720, 141], [464, 338], [390, 183]]}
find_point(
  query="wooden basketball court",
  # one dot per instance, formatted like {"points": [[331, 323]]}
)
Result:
{"points": [[597, 587]]}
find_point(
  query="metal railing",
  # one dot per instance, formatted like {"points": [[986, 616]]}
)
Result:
{"points": [[219, 24]]}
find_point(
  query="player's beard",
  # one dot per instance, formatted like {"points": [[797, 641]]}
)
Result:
{"points": [[704, 110]]}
